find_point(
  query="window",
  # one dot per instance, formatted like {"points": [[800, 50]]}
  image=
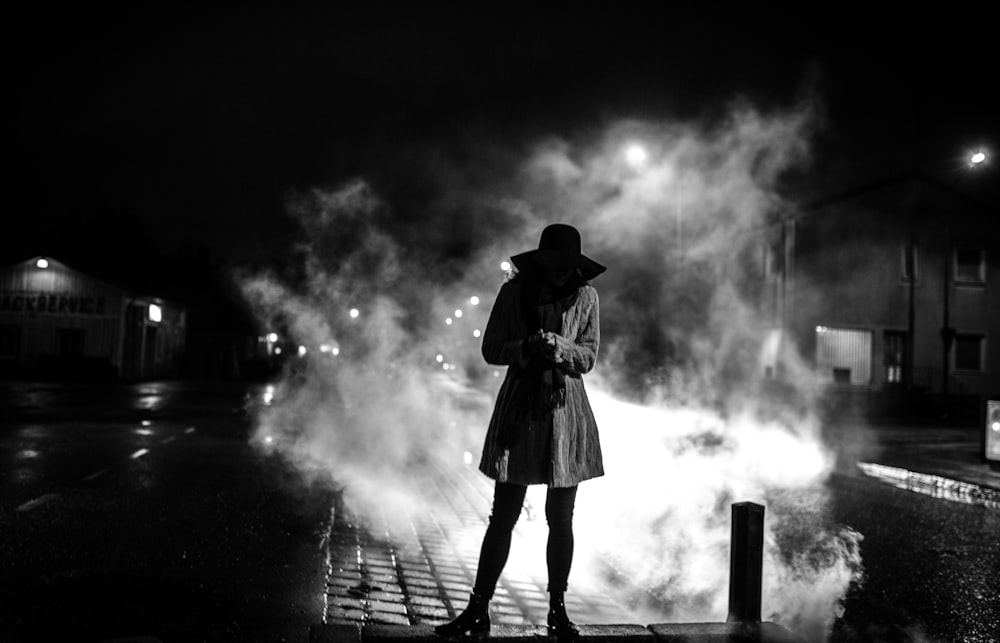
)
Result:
{"points": [[894, 355], [911, 266], [970, 266], [969, 352], [69, 342], [10, 337]]}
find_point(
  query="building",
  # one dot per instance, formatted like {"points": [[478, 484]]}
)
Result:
{"points": [[56, 321], [890, 291]]}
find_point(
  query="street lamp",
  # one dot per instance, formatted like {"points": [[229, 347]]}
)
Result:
{"points": [[637, 156]]}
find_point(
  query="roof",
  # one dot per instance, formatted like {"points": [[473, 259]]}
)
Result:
{"points": [[912, 177]]}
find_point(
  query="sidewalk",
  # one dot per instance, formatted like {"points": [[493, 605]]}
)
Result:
{"points": [[944, 462], [419, 570]]}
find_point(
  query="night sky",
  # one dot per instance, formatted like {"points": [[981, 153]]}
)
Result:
{"points": [[181, 128]]}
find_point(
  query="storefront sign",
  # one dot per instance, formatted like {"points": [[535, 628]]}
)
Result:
{"points": [[51, 304]]}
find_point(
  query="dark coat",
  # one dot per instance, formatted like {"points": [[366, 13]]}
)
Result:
{"points": [[560, 448]]}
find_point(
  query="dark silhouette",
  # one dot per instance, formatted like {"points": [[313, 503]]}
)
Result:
{"points": [[545, 327]]}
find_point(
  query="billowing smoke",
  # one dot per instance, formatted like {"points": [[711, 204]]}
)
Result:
{"points": [[698, 393]]}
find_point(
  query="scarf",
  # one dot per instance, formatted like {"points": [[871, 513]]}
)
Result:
{"points": [[545, 383]]}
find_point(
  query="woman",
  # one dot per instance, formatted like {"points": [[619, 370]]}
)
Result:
{"points": [[544, 326]]}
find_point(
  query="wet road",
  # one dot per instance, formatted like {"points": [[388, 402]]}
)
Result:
{"points": [[932, 566], [143, 511]]}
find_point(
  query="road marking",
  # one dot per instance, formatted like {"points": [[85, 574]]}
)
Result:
{"points": [[37, 502], [139, 453], [190, 429], [167, 440], [96, 475]]}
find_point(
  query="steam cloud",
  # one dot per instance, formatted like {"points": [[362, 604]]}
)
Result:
{"points": [[679, 389]]}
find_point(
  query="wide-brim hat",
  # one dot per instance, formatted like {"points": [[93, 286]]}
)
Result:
{"points": [[559, 248]]}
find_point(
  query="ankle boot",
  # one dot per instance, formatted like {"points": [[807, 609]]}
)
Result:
{"points": [[560, 626], [475, 620]]}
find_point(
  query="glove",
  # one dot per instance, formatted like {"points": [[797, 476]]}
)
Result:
{"points": [[536, 344]]}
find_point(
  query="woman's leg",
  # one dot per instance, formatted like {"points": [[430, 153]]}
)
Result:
{"points": [[559, 503], [475, 620], [507, 502]]}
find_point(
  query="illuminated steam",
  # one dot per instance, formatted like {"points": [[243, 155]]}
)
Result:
{"points": [[687, 423]]}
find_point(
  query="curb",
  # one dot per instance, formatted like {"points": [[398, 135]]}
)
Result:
{"points": [[765, 632]]}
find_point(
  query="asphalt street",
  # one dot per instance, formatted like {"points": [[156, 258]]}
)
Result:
{"points": [[129, 524]]}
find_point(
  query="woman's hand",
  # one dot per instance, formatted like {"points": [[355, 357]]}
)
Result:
{"points": [[561, 348], [535, 344], [542, 344]]}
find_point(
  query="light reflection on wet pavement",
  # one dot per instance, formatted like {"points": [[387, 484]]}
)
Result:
{"points": [[422, 570], [933, 485]]}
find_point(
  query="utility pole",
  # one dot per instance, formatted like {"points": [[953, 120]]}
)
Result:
{"points": [[947, 332], [909, 358]]}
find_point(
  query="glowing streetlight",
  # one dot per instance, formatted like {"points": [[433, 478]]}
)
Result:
{"points": [[505, 266], [272, 337], [439, 358], [449, 321], [977, 158], [474, 300], [458, 313], [636, 155], [42, 263], [477, 333], [354, 313]]}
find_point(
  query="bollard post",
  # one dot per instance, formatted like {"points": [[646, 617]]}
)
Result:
{"points": [[746, 561]]}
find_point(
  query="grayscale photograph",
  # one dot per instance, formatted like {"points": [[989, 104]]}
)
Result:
{"points": [[441, 322]]}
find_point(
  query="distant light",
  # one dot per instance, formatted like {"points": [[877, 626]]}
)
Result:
{"points": [[477, 333], [302, 351], [474, 300], [155, 314], [821, 329], [335, 350], [446, 366], [496, 373], [324, 348], [636, 155], [458, 313], [146, 423], [439, 358], [272, 337], [42, 263], [995, 426], [977, 158], [354, 313], [449, 321], [505, 266], [467, 456], [277, 350], [268, 439]]}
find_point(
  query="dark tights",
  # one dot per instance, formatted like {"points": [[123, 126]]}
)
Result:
{"points": [[507, 502]]}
